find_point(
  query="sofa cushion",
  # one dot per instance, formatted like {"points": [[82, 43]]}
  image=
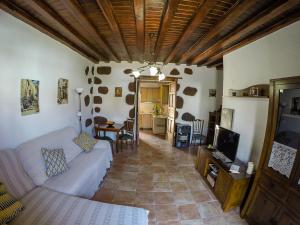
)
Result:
{"points": [[55, 161], [9, 206], [12, 174], [31, 156], [85, 174], [47, 207], [85, 141]]}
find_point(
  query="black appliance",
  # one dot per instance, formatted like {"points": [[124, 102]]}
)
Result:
{"points": [[182, 135], [226, 141]]}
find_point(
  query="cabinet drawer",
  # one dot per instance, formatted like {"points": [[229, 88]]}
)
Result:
{"points": [[272, 186]]}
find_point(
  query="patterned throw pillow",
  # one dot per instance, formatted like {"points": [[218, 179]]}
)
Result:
{"points": [[9, 207], [85, 141], [55, 161]]}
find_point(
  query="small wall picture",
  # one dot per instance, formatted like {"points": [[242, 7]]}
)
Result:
{"points": [[295, 109], [29, 97], [118, 91], [212, 92], [62, 91], [226, 118]]}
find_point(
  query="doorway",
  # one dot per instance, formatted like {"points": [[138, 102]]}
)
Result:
{"points": [[156, 107]]}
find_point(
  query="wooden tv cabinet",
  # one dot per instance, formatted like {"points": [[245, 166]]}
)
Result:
{"points": [[229, 188]]}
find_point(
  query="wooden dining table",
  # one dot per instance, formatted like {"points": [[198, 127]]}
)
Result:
{"points": [[116, 128]]}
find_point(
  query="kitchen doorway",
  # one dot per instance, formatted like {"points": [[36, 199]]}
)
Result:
{"points": [[156, 107]]}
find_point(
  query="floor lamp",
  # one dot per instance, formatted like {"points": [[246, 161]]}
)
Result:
{"points": [[79, 114]]}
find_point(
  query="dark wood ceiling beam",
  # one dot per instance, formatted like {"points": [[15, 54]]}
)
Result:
{"points": [[107, 11], [235, 13], [235, 36], [196, 21], [75, 9], [276, 26], [24, 16], [169, 12], [139, 11], [48, 13]]}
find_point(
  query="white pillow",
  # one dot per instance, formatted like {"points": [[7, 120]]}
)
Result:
{"points": [[31, 155]]}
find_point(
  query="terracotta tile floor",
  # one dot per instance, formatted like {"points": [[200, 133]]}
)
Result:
{"points": [[162, 179]]}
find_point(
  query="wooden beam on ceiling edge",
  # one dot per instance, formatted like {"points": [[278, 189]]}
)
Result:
{"points": [[75, 9], [107, 11], [169, 12], [234, 37], [24, 16], [196, 21], [47, 12], [236, 12], [139, 11]]}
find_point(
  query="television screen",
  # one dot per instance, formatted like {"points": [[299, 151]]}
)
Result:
{"points": [[227, 142]]}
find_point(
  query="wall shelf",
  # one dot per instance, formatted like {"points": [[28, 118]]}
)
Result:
{"points": [[255, 91]]}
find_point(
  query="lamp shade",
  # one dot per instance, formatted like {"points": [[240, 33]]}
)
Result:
{"points": [[79, 90], [136, 73], [153, 70]]}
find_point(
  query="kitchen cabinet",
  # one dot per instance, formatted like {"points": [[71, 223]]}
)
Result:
{"points": [[146, 121], [150, 94]]}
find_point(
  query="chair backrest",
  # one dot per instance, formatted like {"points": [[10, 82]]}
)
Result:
{"points": [[129, 125], [198, 126], [100, 120]]}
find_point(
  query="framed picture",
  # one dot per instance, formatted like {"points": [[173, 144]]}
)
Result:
{"points": [[62, 91], [118, 91], [226, 118], [212, 93], [29, 97]]}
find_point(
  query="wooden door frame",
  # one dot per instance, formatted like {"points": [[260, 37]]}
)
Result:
{"points": [[137, 91]]}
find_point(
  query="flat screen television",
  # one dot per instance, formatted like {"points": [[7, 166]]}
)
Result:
{"points": [[226, 141]]}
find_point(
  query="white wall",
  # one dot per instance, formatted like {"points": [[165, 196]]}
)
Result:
{"points": [[274, 56], [116, 109], [27, 53]]}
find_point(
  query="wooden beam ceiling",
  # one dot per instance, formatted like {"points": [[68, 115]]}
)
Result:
{"points": [[74, 8], [106, 8], [179, 31], [278, 9], [139, 11], [198, 19]]}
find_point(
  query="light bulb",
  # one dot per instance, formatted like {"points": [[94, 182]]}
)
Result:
{"points": [[136, 73], [161, 76], [153, 71]]}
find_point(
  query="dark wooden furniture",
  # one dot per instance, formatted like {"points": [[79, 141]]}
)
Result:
{"points": [[275, 196], [229, 188], [116, 128], [127, 133], [197, 133], [214, 119]]}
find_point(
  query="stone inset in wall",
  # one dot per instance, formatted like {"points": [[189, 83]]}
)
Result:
{"points": [[87, 100], [92, 111], [90, 80], [103, 90], [176, 114], [177, 87], [188, 71], [179, 102], [187, 117], [91, 90], [131, 87], [175, 72], [132, 112], [97, 109], [86, 70], [104, 70], [97, 80], [128, 71], [97, 100], [130, 99], [93, 70], [88, 122], [190, 91]]}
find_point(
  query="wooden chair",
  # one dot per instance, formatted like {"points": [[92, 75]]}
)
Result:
{"points": [[102, 120], [127, 133], [198, 132]]}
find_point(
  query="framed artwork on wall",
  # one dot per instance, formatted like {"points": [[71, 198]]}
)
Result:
{"points": [[118, 91], [62, 91], [226, 118], [29, 97], [212, 93]]}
